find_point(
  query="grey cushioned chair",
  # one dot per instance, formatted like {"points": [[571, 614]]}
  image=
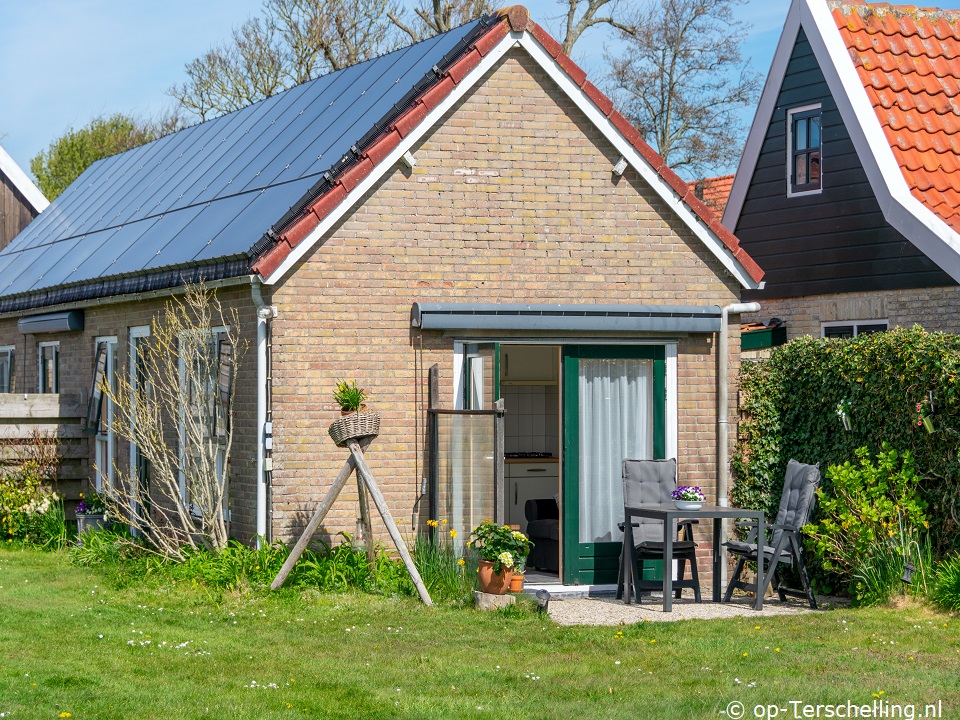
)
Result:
{"points": [[650, 482], [784, 546]]}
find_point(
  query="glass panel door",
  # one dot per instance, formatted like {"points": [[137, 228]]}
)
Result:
{"points": [[614, 408]]}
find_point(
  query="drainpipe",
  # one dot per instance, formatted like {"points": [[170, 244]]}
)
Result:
{"points": [[265, 313], [723, 412]]}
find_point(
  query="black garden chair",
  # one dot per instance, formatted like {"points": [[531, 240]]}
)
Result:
{"points": [[784, 546], [650, 482]]}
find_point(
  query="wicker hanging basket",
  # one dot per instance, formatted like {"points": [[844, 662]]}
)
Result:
{"points": [[354, 426]]}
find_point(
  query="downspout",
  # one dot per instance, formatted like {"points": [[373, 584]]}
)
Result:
{"points": [[723, 413], [265, 313]]}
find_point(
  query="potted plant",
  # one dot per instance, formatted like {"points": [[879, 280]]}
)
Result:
{"points": [[353, 422], [688, 497], [495, 545], [521, 550], [91, 512]]}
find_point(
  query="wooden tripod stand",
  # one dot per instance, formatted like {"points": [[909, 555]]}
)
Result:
{"points": [[356, 462]]}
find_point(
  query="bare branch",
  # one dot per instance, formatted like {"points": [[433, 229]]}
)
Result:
{"points": [[180, 420], [588, 9], [681, 80]]}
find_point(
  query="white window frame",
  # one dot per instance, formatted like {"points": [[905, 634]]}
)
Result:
{"points": [[56, 367], [855, 324], [11, 352], [106, 445], [215, 332], [791, 193]]}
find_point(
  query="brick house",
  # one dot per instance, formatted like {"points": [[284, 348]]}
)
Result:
{"points": [[857, 225], [471, 204]]}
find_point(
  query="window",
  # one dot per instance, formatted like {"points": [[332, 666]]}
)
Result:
{"points": [[6, 368], [204, 404], [804, 142], [139, 389], [849, 329], [49, 367], [106, 439]]}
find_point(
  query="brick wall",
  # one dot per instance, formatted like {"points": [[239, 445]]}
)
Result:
{"points": [[115, 319], [933, 308], [512, 199]]}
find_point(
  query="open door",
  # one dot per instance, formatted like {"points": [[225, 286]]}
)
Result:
{"points": [[614, 404], [467, 447]]}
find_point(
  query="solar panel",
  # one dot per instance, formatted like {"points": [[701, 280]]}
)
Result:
{"points": [[212, 190]]}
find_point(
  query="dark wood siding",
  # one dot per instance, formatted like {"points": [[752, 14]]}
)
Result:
{"points": [[838, 240], [15, 212]]}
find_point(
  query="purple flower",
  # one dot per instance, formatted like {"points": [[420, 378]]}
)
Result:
{"points": [[688, 493]]}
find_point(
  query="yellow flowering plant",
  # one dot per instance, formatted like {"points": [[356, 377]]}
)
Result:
{"points": [[348, 396]]}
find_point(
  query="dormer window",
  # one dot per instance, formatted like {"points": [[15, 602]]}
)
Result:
{"points": [[804, 141]]}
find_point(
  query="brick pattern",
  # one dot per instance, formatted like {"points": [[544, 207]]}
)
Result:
{"points": [[512, 200], [933, 308], [76, 376]]}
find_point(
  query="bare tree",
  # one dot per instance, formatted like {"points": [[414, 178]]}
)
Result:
{"points": [[582, 15], [681, 80], [178, 412], [432, 17], [294, 41]]}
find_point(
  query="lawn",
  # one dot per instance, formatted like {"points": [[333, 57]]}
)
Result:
{"points": [[72, 643]]}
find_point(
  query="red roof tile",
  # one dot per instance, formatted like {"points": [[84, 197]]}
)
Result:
{"points": [[514, 18], [908, 59], [714, 191]]}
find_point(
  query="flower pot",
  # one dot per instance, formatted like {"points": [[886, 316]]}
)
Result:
{"points": [[928, 424], [90, 522], [353, 426], [688, 504], [516, 583], [491, 582]]}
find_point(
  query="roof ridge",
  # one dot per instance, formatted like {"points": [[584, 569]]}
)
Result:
{"points": [[866, 9], [517, 19]]}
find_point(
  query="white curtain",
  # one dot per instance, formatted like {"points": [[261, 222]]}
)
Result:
{"points": [[616, 422]]}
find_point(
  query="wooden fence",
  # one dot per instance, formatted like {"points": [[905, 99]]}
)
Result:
{"points": [[61, 416]]}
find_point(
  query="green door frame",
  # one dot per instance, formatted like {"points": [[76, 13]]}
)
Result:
{"points": [[591, 563]]}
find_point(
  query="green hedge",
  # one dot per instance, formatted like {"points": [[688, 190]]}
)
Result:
{"points": [[788, 408]]}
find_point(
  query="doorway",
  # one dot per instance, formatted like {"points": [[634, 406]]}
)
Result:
{"points": [[572, 414]]}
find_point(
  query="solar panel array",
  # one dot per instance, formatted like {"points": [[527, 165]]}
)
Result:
{"points": [[212, 190]]}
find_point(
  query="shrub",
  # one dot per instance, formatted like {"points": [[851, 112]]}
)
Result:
{"points": [[788, 410], [30, 510], [865, 507], [946, 590]]}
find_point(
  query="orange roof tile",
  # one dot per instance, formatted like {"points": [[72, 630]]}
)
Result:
{"points": [[908, 59], [714, 191]]}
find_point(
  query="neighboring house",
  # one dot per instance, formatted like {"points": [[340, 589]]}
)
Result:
{"points": [[848, 191], [20, 200], [471, 203]]}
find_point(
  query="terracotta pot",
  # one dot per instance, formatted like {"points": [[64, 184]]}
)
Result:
{"points": [[491, 582], [516, 583], [344, 413]]}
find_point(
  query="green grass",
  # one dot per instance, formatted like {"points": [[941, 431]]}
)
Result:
{"points": [[365, 656]]}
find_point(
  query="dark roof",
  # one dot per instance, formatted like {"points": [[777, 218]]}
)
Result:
{"points": [[236, 194], [209, 193]]}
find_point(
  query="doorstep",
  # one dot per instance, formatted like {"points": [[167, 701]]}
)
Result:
{"points": [[571, 592]]}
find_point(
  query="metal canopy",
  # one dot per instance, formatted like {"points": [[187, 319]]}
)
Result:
{"points": [[209, 193], [604, 318]]}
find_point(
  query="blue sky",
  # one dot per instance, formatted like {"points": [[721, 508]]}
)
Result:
{"points": [[63, 62]]}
